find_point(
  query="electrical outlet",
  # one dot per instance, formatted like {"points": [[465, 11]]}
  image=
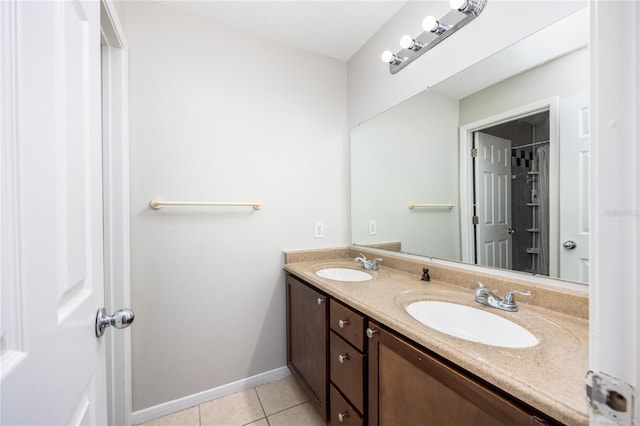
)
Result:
{"points": [[373, 227], [318, 229]]}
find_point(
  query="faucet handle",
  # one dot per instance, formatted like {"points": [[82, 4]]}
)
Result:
{"points": [[480, 288], [478, 283], [509, 297], [509, 303]]}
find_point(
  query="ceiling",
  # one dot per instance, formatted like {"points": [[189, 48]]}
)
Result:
{"points": [[331, 28]]}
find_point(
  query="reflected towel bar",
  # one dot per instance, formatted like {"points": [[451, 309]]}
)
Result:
{"points": [[157, 204], [449, 205]]}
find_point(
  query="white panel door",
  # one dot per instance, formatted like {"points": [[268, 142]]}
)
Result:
{"points": [[574, 188], [55, 370], [493, 200]]}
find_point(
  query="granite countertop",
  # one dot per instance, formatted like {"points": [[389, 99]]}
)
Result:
{"points": [[548, 376]]}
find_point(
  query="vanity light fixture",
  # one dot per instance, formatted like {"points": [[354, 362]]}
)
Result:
{"points": [[391, 58], [431, 24], [464, 6], [408, 42], [435, 30]]}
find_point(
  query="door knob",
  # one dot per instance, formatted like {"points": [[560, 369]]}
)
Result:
{"points": [[569, 244], [511, 231], [121, 318]]}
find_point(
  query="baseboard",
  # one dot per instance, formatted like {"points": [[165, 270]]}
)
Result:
{"points": [[160, 410]]}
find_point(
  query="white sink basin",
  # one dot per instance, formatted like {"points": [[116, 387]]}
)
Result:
{"points": [[344, 274], [471, 324]]}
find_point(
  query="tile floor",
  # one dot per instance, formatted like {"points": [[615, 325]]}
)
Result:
{"points": [[279, 403]]}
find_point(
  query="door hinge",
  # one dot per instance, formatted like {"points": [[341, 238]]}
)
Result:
{"points": [[474, 152], [475, 220], [610, 397]]}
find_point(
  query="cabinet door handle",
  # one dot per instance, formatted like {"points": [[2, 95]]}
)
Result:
{"points": [[320, 300], [342, 416], [371, 332], [342, 323], [343, 358]]}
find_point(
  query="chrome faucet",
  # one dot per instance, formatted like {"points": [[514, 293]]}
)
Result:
{"points": [[491, 298], [371, 265]]}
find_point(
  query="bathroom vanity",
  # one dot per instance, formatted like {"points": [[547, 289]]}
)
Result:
{"points": [[362, 359]]}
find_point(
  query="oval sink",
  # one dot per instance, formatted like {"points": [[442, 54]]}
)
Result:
{"points": [[471, 324], [344, 274]]}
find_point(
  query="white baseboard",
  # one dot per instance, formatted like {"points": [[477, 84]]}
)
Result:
{"points": [[160, 410]]}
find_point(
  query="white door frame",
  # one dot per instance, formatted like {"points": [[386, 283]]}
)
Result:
{"points": [[115, 140], [466, 175]]}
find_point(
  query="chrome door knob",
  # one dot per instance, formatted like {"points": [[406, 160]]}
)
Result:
{"points": [[122, 318], [569, 244], [342, 323], [371, 332]]}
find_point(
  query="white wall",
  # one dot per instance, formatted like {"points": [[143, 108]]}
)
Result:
{"points": [[561, 77], [409, 154], [373, 89], [218, 115]]}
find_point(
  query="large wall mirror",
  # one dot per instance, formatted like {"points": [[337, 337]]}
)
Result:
{"points": [[489, 167]]}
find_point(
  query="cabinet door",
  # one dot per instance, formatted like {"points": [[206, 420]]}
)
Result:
{"points": [[407, 386], [307, 341]]}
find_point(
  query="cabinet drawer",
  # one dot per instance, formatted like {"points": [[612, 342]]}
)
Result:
{"points": [[347, 370], [347, 323], [341, 412]]}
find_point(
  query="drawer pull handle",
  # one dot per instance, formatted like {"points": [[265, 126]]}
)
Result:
{"points": [[342, 323], [320, 300], [343, 358], [342, 416], [371, 332]]}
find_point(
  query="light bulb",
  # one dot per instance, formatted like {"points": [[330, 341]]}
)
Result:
{"points": [[430, 24], [388, 56], [458, 4], [407, 42]]}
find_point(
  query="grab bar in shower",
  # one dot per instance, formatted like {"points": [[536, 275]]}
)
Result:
{"points": [[414, 205], [157, 204]]}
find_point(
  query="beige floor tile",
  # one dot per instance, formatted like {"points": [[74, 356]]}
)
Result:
{"points": [[300, 415], [280, 395], [189, 417], [261, 422], [238, 409]]}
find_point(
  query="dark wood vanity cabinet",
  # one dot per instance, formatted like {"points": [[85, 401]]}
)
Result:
{"points": [[408, 386], [307, 341], [356, 372]]}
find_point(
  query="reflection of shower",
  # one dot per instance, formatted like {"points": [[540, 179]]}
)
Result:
{"points": [[529, 231]]}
